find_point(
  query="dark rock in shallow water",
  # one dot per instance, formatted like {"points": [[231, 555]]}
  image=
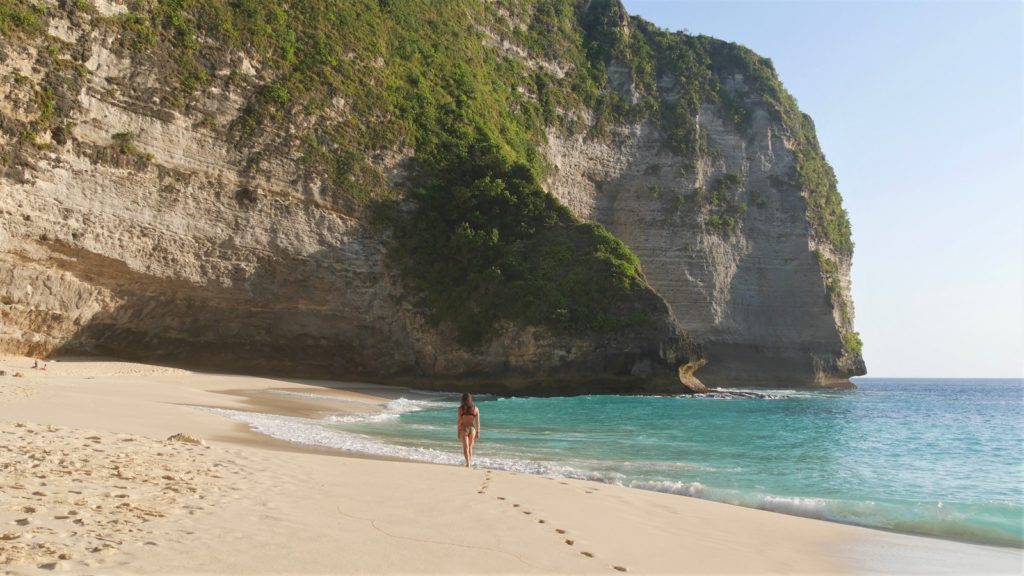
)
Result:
{"points": [[717, 394]]}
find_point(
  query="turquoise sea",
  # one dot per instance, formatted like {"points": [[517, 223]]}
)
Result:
{"points": [[941, 458]]}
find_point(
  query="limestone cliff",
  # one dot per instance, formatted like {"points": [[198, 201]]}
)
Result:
{"points": [[173, 189], [752, 293]]}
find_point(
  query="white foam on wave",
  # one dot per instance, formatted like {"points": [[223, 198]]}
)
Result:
{"points": [[859, 512], [930, 519], [761, 394], [321, 433], [695, 489], [391, 411], [405, 405], [314, 433], [360, 418], [851, 512], [324, 397], [796, 506]]}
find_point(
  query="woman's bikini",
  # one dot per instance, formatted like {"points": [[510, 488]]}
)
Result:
{"points": [[470, 427]]}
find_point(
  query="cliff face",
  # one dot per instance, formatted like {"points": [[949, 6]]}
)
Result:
{"points": [[144, 222], [752, 293]]}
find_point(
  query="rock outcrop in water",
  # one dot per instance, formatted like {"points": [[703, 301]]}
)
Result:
{"points": [[222, 185]]}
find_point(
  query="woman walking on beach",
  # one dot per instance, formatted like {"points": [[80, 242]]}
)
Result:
{"points": [[468, 424]]}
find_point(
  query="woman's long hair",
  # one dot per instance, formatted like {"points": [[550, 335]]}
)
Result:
{"points": [[467, 404]]}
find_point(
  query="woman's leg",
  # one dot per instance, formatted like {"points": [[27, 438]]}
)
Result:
{"points": [[470, 439], [467, 447]]}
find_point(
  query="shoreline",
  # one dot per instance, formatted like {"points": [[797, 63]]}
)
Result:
{"points": [[275, 408], [289, 488]]}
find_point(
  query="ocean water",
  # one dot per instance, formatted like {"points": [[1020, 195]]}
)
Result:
{"points": [[942, 458]]}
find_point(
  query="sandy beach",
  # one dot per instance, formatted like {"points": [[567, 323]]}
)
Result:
{"points": [[90, 482]]}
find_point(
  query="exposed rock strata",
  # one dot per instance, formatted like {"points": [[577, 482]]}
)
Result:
{"points": [[753, 295]]}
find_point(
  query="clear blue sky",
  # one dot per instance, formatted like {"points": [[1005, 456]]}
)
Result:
{"points": [[918, 106]]}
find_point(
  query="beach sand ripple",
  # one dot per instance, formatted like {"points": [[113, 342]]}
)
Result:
{"points": [[72, 498]]}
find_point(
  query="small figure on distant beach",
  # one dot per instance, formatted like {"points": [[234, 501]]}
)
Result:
{"points": [[468, 424], [36, 364]]}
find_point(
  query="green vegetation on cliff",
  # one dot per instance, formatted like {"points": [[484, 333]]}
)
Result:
{"points": [[852, 343], [19, 16], [394, 68], [487, 244]]}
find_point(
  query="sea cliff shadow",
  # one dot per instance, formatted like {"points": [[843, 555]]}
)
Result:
{"points": [[283, 318], [318, 316]]}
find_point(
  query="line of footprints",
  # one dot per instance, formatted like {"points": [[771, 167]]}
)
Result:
{"points": [[568, 541]]}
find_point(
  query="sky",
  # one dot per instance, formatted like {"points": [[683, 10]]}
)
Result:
{"points": [[918, 108]]}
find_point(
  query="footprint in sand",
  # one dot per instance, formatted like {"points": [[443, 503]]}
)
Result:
{"points": [[515, 505], [501, 497], [570, 542], [542, 521], [588, 554], [559, 530], [620, 568]]}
